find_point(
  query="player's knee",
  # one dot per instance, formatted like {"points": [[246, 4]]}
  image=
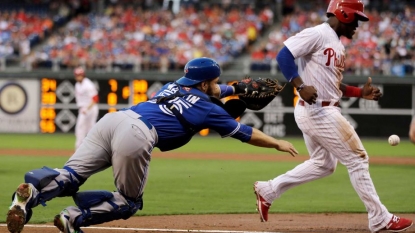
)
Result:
{"points": [[332, 167], [328, 166]]}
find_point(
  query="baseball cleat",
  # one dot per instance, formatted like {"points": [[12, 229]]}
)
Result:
{"points": [[19, 210], [62, 222], [15, 219], [397, 224], [262, 205]]}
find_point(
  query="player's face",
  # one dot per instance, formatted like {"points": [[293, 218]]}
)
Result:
{"points": [[213, 88], [349, 29], [79, 78]]}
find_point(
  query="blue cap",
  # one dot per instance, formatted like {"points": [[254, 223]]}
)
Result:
{"points": [[199, 70]]}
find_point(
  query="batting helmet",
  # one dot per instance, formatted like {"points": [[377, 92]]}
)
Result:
{"points": [[199, 70], [346, 10], [79, 71]]}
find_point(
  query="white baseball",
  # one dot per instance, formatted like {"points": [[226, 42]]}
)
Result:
{"points": [[394, 140]]}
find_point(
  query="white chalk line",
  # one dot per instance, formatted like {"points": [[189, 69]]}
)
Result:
{"points": [[150, 229]]}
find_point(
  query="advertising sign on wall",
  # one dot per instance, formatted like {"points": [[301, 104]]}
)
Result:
{"points": [[48, 105], [19, 106]]}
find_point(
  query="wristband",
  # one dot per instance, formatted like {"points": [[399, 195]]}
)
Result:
{"points": [[352, 91], [300, 87], [95, 98]]}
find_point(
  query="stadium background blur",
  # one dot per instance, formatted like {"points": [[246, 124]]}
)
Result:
{"points": [[131, 48], [162, 35]]}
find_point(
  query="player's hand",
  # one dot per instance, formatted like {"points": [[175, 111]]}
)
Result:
{"points": [[287, 147], [370, 92], [309, 94]]}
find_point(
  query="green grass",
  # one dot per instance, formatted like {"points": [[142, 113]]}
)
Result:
{"points": [[37, 141], [210, 186], [211, 144]]}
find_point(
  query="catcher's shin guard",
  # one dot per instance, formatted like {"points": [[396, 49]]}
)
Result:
{"points": [[92, 203], [65, 181]]}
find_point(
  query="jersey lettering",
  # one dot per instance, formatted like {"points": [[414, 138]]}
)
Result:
{"points": [[330, 54], [179, 104], [338, 60], [192, 99]]}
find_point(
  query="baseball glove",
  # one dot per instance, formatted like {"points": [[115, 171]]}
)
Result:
{"points": [[258, 92]]}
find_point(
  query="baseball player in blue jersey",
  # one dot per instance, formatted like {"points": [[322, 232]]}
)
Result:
{"points": [[125, 140]]}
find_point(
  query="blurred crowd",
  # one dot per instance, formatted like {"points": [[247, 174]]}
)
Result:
{"points": [[130, 37], [23, 25], [67, 34], [384, 45]]}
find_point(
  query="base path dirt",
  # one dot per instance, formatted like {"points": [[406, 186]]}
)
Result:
{"points": [[234, 223], [221, 223]]}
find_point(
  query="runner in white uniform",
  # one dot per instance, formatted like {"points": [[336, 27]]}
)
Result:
{"points": [[328, 135], [86, 97]]}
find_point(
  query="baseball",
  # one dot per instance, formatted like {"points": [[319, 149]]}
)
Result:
{"points": [[394, 140]]}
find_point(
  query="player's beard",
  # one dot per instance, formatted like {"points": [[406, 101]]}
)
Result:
{"points": [[210, 91], [350, 30], [213, 89], [350, 35]]}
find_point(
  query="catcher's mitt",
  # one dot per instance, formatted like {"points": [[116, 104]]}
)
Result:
{"points": [[258, 92]]}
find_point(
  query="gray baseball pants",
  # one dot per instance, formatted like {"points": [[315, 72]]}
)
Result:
{"points": [[121, 140]]}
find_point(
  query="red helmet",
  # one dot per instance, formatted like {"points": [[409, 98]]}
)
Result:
{"points": [[346, 10], [79, 71]]}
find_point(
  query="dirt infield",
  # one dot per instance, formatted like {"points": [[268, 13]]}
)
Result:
{"points": [[220, 223], [235, 223]]}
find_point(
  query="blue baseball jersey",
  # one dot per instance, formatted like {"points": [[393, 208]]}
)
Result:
{"points": [[196, 107]]}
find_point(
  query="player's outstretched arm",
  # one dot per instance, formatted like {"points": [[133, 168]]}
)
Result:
{"points": [[224, 90], [260, 139]]}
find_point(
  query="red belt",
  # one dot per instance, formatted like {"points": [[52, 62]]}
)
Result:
{"points": [[323, 104]]}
